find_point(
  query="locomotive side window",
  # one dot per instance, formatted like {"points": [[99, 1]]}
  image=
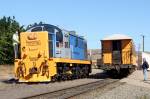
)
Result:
{"points": [[36, 29], [49, 29], [59, 36], [50, 45], [59, 39], [66, 44], [57, 44]]}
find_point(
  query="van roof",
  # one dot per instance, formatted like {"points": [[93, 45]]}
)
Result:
{"points": [[117, 37]]}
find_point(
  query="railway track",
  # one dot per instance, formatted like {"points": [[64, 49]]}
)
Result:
{"points": [[74, 91]]}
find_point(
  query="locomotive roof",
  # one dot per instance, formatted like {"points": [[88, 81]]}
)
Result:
{"points": [[49, 25], [56, 27], [117, 37]]}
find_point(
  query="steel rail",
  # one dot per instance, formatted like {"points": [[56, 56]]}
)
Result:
{"points": [[74, 91]]}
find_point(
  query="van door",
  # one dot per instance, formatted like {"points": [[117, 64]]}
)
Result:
{"points": [[116, 52]]}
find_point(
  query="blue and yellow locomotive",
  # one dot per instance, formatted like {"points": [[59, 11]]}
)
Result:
{"points": [[49, 53]]}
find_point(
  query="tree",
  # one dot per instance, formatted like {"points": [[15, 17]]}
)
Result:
{"points": [[8, 26]]}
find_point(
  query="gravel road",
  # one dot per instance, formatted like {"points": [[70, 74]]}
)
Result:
{"points": [[134, 88]]}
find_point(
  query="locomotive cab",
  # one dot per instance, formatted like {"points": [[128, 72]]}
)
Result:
{"points": [[58, 41]]}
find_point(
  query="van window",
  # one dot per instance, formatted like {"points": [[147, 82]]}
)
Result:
{"points": [[116, 46]]}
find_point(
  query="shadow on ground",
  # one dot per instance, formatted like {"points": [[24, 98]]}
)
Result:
{"points": [[102, 75], [10, 81]]}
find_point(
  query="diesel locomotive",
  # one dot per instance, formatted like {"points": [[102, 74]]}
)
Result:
{"points": [[49, 53]]}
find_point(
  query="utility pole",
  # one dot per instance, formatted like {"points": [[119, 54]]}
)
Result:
{"points": [[143, 37]]}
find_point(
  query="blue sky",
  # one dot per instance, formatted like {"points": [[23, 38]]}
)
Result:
{"points": [[94, 19]]}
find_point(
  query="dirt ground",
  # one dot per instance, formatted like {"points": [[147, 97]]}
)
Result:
{"points": [[6, 72]]}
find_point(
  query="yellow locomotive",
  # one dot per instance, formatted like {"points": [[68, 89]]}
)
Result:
{"points": [[118, 54], [49, 54]]}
